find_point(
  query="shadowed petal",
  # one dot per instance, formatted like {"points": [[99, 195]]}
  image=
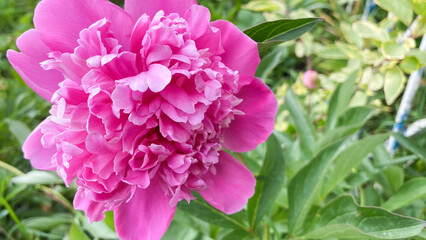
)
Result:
{"points": [[146, 216], [27, 64], [254, 127], [231, 187], [60, 22], [240, 51], [138, 7], [40, 157]]}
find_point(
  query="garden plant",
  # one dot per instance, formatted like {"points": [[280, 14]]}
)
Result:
{"points": [[211, 119]]}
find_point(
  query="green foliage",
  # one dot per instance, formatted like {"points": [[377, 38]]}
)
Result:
{"points": [[328, 141]]}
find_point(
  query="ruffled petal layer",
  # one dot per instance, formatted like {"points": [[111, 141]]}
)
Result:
{"points": [[150, 7]]}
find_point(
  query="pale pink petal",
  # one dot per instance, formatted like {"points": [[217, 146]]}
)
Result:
{"points": [[146, 216], [158, 77], [240, 51], [231, 187], [138, 7], [95, 210], [40, 157], [27, 64], [254, 127], [60, 22]]}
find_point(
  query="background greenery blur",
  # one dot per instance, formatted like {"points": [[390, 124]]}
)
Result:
{"points": [[363, 66]]}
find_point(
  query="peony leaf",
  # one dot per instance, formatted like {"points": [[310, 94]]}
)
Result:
{"points": [[38, 177], [269, 34], [340, 99], [408, 193], [268, 183], [341, 166], [305, 187], [76, 233], [303, 125], [201, 209], [344, 218], [18, 129]]}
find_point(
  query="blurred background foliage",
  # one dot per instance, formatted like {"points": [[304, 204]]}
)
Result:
{"points": [[328, 139]]}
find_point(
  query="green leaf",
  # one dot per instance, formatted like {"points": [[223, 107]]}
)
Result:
{"points": [[303, 125], [394, 84], [419, 7], [38, 177], [268, 34], [408, 193], [410, 64], [269, 63], [201, 209], [419, 54], [46, 223], [303, 187], [401, 9], [393, 50], [18, 129], [355, 116], [343, 218], [99, 229], [410, 145], [269, 182], [394, 177], [348, 123], [76, 233], [340, 99], [370, 31], [349, 158], [262, 6]]}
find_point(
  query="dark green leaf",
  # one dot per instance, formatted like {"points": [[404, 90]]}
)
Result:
{"points": [[343, 218], [269, 34], [201, 209], [269, 182]]}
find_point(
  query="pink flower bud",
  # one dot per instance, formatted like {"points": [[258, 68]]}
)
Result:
{"points": [[310, 78]]}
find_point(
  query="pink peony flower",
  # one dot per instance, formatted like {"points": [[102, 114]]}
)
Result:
{"points": [[310, 78], [144, 100]]}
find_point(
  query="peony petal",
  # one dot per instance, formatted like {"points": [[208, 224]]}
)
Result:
{"points": [[138, 7], [254, 127], [146, 216], [231, 187], [60, 22], [158, 77], [240, 51], [198, 18], [27, 64], [40, 157]]}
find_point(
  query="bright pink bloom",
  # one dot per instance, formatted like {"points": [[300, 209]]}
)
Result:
{"points": [[144, 99], [310, 79]]}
